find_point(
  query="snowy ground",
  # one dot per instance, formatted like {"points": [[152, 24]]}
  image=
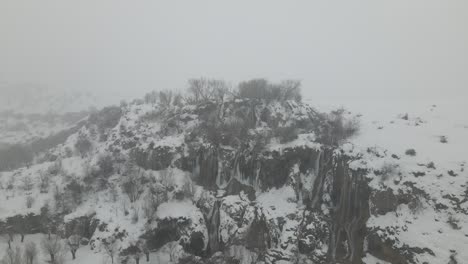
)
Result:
{"points": [[84, 255]]}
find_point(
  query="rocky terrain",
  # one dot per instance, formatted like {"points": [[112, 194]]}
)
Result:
{"points": [[241, 178]]}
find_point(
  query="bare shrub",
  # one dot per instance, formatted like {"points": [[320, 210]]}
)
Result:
{"points": [[410, 152], [110, 246], [83, 144], [286, 134], [416, 205], [254, 89], [73, 194], [335, 128], [151, 98], [106, 165], [73, 243], [453, 222], [10, 183], [156, 195], [12, 256], [8, 236], [262, 89], [105, 168], [165, 98], [430, 165], [30, 253], [52, 245], [133, 183], [27, 183], [44, 182], [135, 215], [113, 192], [443, 139], [203, 90], [56, 168], [59, 200], [387, 171], [29, 201], [106, 118], [135, 251], [178, 100]]}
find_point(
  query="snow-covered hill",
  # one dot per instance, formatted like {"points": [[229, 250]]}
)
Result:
{"points": [[249, 181]]}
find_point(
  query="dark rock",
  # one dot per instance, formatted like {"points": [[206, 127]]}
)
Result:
{"points": [[452, 173], [383, 202], [418, 173], [234, 187], [168, 230], [83, 226], [258, 235]]}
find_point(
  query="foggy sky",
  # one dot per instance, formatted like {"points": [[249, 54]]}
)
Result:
{"points": [[384, 51]]}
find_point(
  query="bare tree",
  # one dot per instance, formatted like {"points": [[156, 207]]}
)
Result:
{"points": [[151, 98], [27, 183], [133, 251], [12, 256], [8, 236], [52, 246], [30, 253], [132, 184], [165, 98], [73, 243], [29, 201], [202, 90], [143, 245], [22, 227], [111, 247], [156, 195]]}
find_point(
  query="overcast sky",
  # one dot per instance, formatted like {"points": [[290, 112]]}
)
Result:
{"points": [[384, 51]]}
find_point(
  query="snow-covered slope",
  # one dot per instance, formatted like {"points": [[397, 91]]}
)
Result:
{"points": [[249, 181]]}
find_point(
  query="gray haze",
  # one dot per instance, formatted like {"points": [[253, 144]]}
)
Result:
{"points": [[347, 51]]}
